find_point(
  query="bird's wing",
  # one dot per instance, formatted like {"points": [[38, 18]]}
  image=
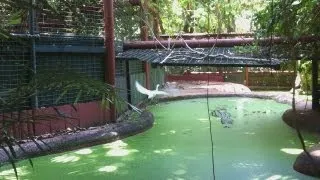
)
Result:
{"points": [[141, 89], [161, 92]]}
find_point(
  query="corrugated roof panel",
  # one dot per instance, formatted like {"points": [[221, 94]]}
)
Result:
{"points": [[219, 56]]}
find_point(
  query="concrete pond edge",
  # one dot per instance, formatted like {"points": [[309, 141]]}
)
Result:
{"points": [[90, 137], [277, 98]]}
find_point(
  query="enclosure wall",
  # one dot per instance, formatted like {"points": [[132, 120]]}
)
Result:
{"points": [[83, 56], [257, 80]]}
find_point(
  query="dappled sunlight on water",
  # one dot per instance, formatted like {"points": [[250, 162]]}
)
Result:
{"points": [[120, 152], [247, 165], [84, 151], [163, 151], [250, 133], [108, 169], [65, 158], [280, 177], [205, 120], [118, 148], [115, 144], [10, 175], [293, 151], [180, 172], [171, 132], [274, 177]]}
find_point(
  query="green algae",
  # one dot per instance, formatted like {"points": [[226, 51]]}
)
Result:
{"points": [[257, 146]]}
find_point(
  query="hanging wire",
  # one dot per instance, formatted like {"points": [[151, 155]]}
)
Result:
{"points": [[210, 128], [207, 98]]}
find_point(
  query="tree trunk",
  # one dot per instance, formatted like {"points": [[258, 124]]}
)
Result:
{"points": [[157, 26], [231, 24], [188, 25]]}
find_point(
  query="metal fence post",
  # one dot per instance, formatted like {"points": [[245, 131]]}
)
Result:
{"points": [[33, 59]]}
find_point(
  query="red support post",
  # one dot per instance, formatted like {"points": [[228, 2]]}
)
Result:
{"points": [[144, 37], [109, 49]]}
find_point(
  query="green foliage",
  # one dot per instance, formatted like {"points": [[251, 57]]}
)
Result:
{"points": [[127, 20], [247, 49], [290, 18], [205, 16], [305, 70]]}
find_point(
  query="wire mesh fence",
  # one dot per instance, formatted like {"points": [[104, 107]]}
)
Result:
{"points": [[86, 64], [52, 40], [121, 84], [14, 67], [157, 76], [70, 18], [137, 73], [66, 36], [75, 18]]}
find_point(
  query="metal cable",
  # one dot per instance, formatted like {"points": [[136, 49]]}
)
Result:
{"points": [[210, 128]]}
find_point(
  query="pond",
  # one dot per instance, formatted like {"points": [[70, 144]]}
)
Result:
{"points": [[256, 145]]}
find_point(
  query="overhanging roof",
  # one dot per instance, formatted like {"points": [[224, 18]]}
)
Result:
{"points": [[218, 56]]}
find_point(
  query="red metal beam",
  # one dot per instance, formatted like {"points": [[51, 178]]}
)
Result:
{"points": [[203, 35], [199, 43], [109, 49]]}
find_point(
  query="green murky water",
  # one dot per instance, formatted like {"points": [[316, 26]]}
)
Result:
{"points": [[257, 146]]}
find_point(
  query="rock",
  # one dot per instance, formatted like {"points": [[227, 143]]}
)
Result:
{"points": [[306, 120], [298, 91], [62, 142], [92, 128], [305, 165]]}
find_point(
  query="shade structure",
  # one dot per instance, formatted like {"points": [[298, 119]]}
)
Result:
{"points": [[215, 56]]}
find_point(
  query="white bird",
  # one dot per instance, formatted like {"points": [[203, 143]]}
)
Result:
{"points": [[149, 93]]}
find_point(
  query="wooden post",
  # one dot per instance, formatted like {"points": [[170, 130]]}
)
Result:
{"points": [[109, 50], [315, 93], [247, 76]]}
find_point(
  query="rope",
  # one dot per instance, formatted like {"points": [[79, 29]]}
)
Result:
{"points": [[211, 134], [208, 106]]}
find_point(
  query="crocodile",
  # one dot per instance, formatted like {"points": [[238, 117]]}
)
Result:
{"points": [[225, 117]]}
